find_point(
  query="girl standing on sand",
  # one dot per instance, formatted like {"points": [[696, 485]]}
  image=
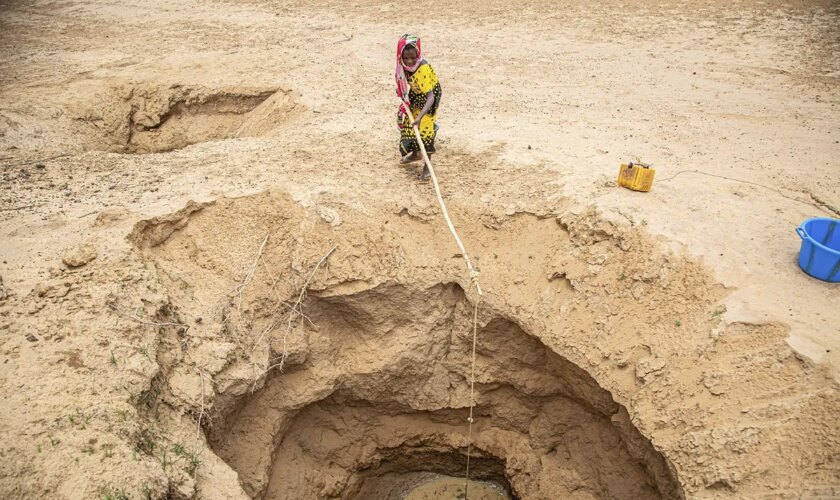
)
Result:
{"points": [[417, 86]]}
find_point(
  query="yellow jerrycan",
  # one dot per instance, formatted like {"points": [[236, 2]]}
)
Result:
{"points": [[636, 176]]}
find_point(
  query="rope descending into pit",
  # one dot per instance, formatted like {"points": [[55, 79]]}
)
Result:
{"points": [[473, 279], [472, 401]]}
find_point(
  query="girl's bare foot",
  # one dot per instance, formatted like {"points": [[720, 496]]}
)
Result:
{"points": [[410, 158], [426, 175]]}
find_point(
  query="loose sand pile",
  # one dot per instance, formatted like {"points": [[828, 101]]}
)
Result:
{"points": [[216, 283]]}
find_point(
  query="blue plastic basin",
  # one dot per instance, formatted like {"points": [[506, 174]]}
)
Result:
{"points": [[819, 255]]}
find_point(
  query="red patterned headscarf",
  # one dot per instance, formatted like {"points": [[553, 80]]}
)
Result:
{"points": [[399, 73]]}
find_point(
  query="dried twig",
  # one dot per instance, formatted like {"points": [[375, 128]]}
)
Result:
{"points": [[234, 296], [274, 280], [346, 39], [249, 275], [297, 305], [273, 322], [147, 323], [197, 449], [280, 304], [264, 372], [295, 312], [35, 161], [22, 207]]}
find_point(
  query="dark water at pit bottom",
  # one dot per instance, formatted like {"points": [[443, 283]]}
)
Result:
{"points": [[440, 487]]}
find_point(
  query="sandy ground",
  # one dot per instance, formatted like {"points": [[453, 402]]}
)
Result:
{"points": [[542, 102], [747, 91]]}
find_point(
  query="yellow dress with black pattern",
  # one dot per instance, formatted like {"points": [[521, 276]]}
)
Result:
{"points": [[421, 82]]}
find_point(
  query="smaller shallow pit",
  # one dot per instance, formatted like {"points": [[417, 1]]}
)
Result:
{"points": [[151, 118]]}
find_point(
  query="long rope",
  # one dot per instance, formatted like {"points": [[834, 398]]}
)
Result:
{"points": [[817, 202], [473, 279], [472, 401], [470, 268]]}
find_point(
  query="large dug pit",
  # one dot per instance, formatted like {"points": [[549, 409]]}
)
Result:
{"points": [[366, 393], [382, 394]]}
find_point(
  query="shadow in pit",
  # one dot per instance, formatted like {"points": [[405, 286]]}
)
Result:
{"points": [[379, 387]]}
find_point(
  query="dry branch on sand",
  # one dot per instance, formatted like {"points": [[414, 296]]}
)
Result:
{"points": [[136, 319], [295, 313], [197, 449], [249, 277]]}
